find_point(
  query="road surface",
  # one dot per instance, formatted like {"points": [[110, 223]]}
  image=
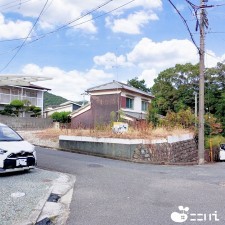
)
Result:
{"points": [[113, 192]]}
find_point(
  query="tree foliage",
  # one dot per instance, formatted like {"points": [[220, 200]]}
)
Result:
{"points": [[62, 117], [139, 84], [152, 115], [174, 90], [17, 105], [184, 118]]}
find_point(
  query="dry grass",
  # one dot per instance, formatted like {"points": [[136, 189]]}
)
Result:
{"points": [[133, 133]]}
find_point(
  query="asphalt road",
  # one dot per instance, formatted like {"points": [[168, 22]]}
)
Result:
{"points": [[112, 192]]}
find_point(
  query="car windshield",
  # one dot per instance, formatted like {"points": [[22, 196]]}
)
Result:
{"points": [[7, 134]]}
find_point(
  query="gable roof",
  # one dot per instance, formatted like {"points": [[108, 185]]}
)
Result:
{"points": [[135, 115], [82, 109], [20, 79], [36, 87], [69, 103], [118, 85], [61, 106]]}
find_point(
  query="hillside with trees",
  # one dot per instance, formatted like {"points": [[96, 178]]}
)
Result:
{"points": [[51, 99]]}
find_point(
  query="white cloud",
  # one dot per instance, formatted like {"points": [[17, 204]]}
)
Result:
{"points": [[147, 58], [110, 60], [59, 12], [148, 76], [132, 24], [10, 29], [68, 84], [161, 55], [211, 59]]}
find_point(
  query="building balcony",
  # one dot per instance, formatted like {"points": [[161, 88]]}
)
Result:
{"points": [[5, 99]]}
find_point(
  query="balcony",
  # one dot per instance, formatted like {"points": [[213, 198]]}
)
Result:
{"points": [[7, 98]]}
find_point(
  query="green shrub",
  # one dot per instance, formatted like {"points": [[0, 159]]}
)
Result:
{"points": [[216, 141], [62, 117]]}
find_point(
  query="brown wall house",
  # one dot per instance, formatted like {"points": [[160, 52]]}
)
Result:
{"points": [[111, 97], [84, 120], [99, 113], [103, 105]]}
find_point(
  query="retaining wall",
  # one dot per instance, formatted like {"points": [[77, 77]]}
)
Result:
{"points": [[174, 149], [26, 123]]}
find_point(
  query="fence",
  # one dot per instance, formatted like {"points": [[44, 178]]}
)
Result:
{"points": [[26, 123]]}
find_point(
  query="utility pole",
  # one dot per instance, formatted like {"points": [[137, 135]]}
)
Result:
{"points": [[201, 147], [196, 108]]}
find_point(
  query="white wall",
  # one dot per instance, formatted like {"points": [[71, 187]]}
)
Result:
{"points": [[137, 102], [67, 108]]}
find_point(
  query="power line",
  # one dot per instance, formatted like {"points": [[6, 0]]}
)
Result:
{"points": [[74, 20], [21, 46], [65, 26], [81, 23], [185, 23], [9, 3], [15, 5]]}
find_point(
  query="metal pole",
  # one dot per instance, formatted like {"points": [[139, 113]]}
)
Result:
{"points": [[201, 148]]}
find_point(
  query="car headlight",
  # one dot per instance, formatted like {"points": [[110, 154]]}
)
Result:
{"points": [[2, 151]]}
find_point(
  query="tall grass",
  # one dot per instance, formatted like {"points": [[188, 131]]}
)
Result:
{"points": [[143, 131], [216, 141]]}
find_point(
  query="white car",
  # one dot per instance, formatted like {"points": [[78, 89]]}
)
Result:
{"points": [[222, 152], [15, 153]]}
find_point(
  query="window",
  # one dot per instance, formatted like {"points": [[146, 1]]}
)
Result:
{"points": [[129, 103], [7, 134], [5, 90], [15, 91], [144, 106], [31, 93]]}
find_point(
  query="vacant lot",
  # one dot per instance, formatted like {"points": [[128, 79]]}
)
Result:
{"points": [[50, 137]]}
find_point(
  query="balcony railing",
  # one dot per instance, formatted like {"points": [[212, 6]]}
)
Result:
{"points": [[7, 98]]}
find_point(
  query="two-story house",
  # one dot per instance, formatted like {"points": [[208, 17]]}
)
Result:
{"points": [[33, 93], [112, 97]]}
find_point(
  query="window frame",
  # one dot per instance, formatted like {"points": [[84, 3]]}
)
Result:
{"points": [[129, 102], [144, 103]]}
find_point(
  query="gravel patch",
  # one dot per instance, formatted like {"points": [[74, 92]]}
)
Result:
{"points": [[21, 192], [32, 137]]}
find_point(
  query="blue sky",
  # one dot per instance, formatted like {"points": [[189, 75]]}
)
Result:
{"points": [[139, 39]]}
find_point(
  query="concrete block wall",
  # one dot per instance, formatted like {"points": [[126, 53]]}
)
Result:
{"points": [[26, 123], [107, 147]]}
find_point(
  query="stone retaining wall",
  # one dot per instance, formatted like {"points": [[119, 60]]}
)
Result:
{"points": [[178, 152], [178, 149]]}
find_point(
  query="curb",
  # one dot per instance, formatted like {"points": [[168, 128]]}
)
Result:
{"points": [[58, 211], [53, 212]]}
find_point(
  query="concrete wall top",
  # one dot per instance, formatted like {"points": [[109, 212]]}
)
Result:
{"points": [[170, 139], [183, 137], [104, 140]]}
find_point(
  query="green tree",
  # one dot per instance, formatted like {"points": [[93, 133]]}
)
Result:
{"points": [[174, 88], [152, 115], [17, 105], [8, 111], [139, 84], [35, 109], [62, 117]]}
